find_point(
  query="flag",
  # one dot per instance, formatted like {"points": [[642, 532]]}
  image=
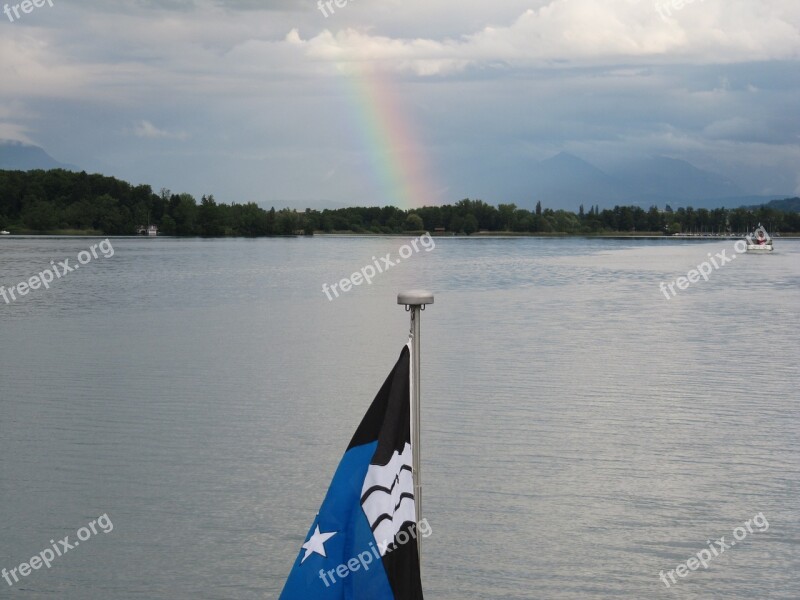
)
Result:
{"points": [[363, 543]]}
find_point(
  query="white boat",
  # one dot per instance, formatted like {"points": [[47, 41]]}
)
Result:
{"points": [[759, 241], [4, 232]]}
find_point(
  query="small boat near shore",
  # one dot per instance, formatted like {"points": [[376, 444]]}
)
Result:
{"points": [[759, 241], [4, 232]]}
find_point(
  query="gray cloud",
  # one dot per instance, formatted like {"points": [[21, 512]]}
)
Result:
{"points": [[255, 100]]}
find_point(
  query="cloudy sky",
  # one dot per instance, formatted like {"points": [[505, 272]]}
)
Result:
{"points": [[393, 100]]}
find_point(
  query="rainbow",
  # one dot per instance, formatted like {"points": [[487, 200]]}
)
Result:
{"points": [[399, 164]]}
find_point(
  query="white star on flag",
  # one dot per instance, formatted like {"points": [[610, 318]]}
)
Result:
{"points": [[316, 543]]}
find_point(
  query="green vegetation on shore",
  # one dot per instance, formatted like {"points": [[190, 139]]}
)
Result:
{"points": [[64, 202]]}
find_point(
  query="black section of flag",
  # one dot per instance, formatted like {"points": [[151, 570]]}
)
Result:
{"points": [[388, 419], [402, 565]]}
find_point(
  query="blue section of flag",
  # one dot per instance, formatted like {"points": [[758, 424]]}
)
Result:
{"points": [[352, 568]]}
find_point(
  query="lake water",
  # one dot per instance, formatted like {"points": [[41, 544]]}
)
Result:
{"points": [[581, 432]]}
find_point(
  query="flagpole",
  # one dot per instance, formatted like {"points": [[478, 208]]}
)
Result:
{"points": [[415, 302]]}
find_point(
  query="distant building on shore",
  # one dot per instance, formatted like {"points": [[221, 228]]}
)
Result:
{"points": [[149, 230]]}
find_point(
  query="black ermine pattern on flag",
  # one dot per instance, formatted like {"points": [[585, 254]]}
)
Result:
{"points": [[388, 497]]}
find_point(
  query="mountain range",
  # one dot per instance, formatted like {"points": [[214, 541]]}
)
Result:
{"points": [[563, 181]]}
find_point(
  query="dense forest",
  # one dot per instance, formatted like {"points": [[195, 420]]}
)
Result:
{"points": [[68, 202], [65, 201]]}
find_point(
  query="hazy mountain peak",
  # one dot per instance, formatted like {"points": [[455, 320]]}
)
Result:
{"points": [[18, 156], [662, 177], [566, 158]]}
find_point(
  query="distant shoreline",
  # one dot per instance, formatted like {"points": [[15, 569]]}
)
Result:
{"points": [[345, 234]]}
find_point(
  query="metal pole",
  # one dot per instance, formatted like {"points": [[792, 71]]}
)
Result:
{"points": [[415, 413], [415, 302]]}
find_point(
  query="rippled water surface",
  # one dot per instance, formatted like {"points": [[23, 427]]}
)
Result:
{"points": [[581, 432]]}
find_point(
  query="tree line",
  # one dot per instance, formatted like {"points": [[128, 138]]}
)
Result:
{"points": [[64, 201]]}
